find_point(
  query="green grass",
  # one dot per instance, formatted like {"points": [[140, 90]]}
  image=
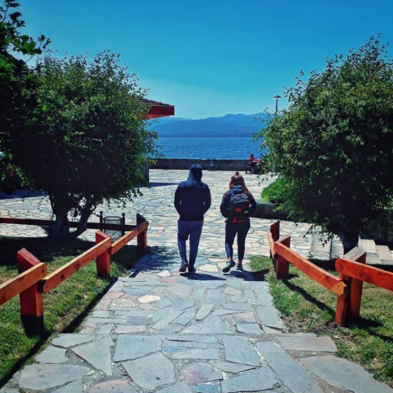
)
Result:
{"points": [[64, 307], [308, 307], [274, 192]]}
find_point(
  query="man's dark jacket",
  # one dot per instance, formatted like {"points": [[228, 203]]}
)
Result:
{"points": [[192, 197]]}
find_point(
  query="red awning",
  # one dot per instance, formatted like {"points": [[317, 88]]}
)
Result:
{"points": [[159, 109]]}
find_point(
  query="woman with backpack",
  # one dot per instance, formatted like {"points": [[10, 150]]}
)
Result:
{"points": [[237, 206]]}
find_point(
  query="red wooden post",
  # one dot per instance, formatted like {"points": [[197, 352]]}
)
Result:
{"points": [[356, 290], [275, 230], [282, 265], [31, 300], [142, 237], [342, 308], [103, 261], [348, 305]]}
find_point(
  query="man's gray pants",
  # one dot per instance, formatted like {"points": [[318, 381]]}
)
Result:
{"points": [[192, 229]]}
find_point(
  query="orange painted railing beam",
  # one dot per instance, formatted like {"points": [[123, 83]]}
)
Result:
{"points": [[20, 283], [370, 274], [120, 243], [61, 274], [319, 275]]}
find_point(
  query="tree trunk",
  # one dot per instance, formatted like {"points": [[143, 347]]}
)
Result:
{"points": [[349, 240], [61, 228]]}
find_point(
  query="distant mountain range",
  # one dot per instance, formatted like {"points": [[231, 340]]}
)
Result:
{"points": [[230, 125]]}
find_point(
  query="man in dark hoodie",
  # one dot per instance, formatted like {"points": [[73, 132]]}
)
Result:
{"points": [[192, 201]]}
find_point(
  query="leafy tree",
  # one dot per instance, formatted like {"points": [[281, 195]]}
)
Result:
{"points": [[89, 138], [333, 146], [16, 79]]}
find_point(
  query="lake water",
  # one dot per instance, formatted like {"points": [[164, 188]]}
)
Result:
{"points": [[218, 148]]}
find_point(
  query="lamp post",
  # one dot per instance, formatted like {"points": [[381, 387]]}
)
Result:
{"points": [[277, 98]]}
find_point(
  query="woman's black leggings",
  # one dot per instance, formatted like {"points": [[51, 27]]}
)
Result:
{"points": [[241, 229]]}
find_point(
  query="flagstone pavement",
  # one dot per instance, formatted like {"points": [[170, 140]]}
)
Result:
{"points": [[162, 331]]}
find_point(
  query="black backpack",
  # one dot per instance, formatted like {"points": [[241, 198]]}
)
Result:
{"points": [[239, 205]]}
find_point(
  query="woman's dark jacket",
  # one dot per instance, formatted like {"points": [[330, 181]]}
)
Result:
{"points": [[225, 207]]}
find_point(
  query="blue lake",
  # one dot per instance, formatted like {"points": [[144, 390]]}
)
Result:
{"points": [[224, 148]]}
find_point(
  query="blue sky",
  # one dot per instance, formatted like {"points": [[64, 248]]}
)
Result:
{"points": [[212, 57]]}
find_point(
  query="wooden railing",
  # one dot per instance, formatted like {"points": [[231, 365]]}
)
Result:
{"points": [[33, 281], [348, 287]]}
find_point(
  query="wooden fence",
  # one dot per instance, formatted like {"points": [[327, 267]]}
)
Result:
{"points": [[33, 281], [347, 287]]}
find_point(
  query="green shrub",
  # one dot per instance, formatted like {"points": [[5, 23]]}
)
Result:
{"points": [[275, 192]]}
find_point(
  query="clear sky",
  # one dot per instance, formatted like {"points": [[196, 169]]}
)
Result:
{"points": [[212, 57]]}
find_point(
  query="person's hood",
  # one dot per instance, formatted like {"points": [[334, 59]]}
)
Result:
{"points": [[195, 175]]}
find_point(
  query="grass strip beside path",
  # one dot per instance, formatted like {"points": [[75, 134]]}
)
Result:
{"points": [[306, 306], [65, 307]]}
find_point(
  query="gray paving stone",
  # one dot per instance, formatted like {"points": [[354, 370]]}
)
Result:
{"points": [[219, 312], [245, 317], [129, 329], [240, 350], [114, 386], [181, 303], [134, 312], [192, 338], [200, 295], [269, 316], [208, 388], [264, 298], [179, 387], [294, 376], [103, 321], [163, 322], [97, 353], [312, 344], [343, 374], [163, 303], [186, 317], [47, 376], [151, 372], [105, 329], [251, 381], [210, 325], [192, 344], [204, 311], [215, 296], [213, 284], [198, 353], [161, 314], [232, 367], [249, 328], [232, 291], [100, 314], [129, 347], [269, 330], [238, 306], [198, 373], [180, 290], [72, 387], [69, 340], [140, 320], [52, 355], [250, 296]]}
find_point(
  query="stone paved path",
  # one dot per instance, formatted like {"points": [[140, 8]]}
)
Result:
{"points": [[162, 331]]}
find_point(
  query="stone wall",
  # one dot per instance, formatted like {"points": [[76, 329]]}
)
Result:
{"points": [[206, 164]]}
